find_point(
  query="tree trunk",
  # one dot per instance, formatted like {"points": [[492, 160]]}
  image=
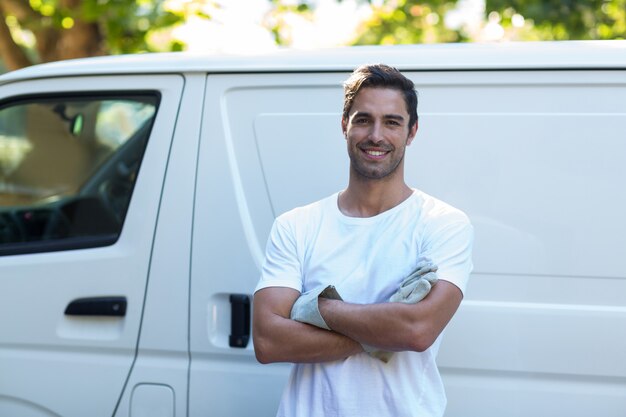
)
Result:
{"points": [[46, 41], [81, 40], [13, 56]]}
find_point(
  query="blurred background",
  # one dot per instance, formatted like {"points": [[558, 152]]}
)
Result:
{"points": [[36, 31]]}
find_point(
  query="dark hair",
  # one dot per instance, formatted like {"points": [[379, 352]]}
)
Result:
{"points": [[382, 76]]}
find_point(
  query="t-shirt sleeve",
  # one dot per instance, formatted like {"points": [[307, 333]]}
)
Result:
{"points": [[450, 248], [281, 267]]}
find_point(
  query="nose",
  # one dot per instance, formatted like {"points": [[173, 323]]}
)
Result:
{"points": [[376, 133]]}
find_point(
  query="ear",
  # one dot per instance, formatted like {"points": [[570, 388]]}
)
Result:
{"points": [[344, 126], [412, 133]]}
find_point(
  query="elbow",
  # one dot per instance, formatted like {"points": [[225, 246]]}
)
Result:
{"points": [[422, 346], [263, 351], [422, 338], [261, 341], [262, 357]]}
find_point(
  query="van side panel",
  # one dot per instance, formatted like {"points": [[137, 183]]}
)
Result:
{"points": [[532, 157], [536, 160]]}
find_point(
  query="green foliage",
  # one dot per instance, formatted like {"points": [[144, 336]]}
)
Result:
{"points": [[568, 19], [423, 21], [126, 28], [275, 22], [123, 25], [409, 22]]}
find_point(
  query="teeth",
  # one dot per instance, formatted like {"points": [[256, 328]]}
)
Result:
{"points": [[375, 153]]}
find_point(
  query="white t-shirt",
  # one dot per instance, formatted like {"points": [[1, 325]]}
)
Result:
{"points": [[366, 259]]}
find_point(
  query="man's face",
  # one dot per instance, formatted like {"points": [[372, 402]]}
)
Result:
{"points": [[377, 131]]}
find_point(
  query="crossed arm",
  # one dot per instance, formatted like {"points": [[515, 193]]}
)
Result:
{"points": [[388, 326]]}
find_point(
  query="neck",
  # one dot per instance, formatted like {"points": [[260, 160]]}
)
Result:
{"points": [[367, 198]]}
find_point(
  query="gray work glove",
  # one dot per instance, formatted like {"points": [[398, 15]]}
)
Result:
{"points": [[417, 285], [306, 309], [412, 290]]}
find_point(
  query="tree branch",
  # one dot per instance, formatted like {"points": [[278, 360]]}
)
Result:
{"points": [[81, 40], [20, 9], [46, 43], [12, 54]]}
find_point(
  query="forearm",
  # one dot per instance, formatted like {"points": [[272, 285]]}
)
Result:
{"points": [[388, 326], [395, 326], [286, 340], [277, 338]]}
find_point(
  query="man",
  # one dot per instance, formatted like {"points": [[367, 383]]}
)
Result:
{"points": [[365, 241]]}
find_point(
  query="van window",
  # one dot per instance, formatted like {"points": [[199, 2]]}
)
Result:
{"points": [[67, 169]]}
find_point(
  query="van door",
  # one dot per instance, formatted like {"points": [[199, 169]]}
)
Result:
{"points": [[81, 173], [256, 131]]}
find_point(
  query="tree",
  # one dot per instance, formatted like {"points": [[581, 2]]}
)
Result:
{"points": [[428, 21], [566, 19], [49, 30], [409, 22]]}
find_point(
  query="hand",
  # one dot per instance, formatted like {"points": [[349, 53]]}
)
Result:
{"points": [[306, 307], [383, 355], [411, 291], [417, 285]]}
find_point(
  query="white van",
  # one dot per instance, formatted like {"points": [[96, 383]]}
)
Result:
{"points": [[137, 193]]}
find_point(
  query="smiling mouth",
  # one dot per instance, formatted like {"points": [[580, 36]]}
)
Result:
{"points": [[375, 153]]}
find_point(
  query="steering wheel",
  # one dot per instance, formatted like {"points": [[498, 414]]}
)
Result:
{"points": [[10, 230], [57, 225]]}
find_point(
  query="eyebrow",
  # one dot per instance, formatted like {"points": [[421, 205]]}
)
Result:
{"points": [[391, 116], [394, 117]]}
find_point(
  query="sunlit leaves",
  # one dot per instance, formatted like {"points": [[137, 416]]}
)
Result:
{"points": [[429, 21], [409, 22], [570, 19], [124, 26]]}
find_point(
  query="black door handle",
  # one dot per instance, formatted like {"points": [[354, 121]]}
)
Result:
{"points": [[239, 320], [97, 306]]}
